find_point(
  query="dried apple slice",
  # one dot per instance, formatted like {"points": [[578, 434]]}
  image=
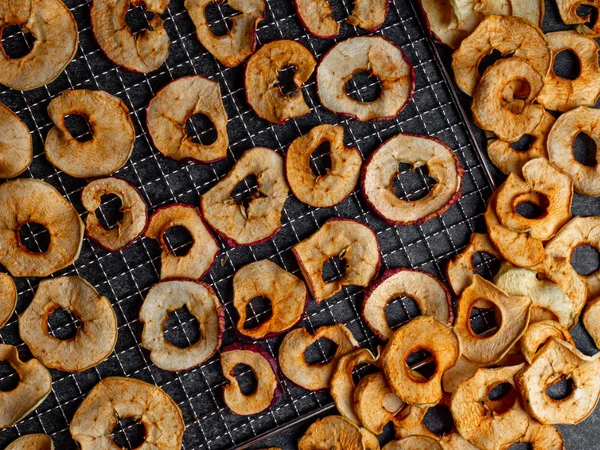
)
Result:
{"points": [[144, 51], [591, 320], [380, 58], [339, 181], [16, 148], [490, 106], [34, 201], [410, 386], [133, 208], [375, 403], [368, 14], [56, 41], [461, 269], [489, 423], [556, 361], [201, 302], [334, 432], [414, 443], [112, 131], [199, 258], [509, 36], [8, 298], [568, 10], [172, 107], [264, 367], [586, 179], [512, 318], [35, 383], [540, 437], [286, 292], [538, 334], [95, 338], [313, 376], [232, 48], [430, 295], [263, 91], [351, 241], [32, 442], [383, 166], [451, 21], [510, 160], [260, 219], [119, 397], [563, 94], [342, 383]]}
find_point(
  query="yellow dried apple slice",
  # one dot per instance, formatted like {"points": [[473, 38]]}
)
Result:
{"points": [[382, 167], [115, 398], [591, 320], [201, 302], [510, 160], [34, 201], [52, 25], [16, 148], [410, 386], [232, 48], [351, 241], [95, 338], [375, 403], [414, 443], [509, 36], [313, 376], [139, 52], [340, 180], [512, 318], [335, 432], [451, 21], [260, 219], [568, 10], [199, 258], [557, 361], [380, 58], [35, 383], [263, 91], [586, 179], [540, 437], [430, 295], [112, 131], [286, 292], [493, 109], [8, 298], [489, 423], [538, 334], [133, 208], [172, 107], [32, 442]]}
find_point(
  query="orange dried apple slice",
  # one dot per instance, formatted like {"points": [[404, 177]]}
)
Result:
{"points": [[16, 148], [8, 298], [414, 443], [32, 442], [568, 10], [335, 432], [538, 333], [591, 320], [375, 403], [540, 437]]}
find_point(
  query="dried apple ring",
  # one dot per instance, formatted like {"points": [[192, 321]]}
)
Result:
{"points": [[382, 167], [264, 367], [16, 148], [350, 241], [488, 423], [538, 334], [119, 397], [556, 361], [263, 91], [313, 376], [380, 58], [510, 160], [410, 386], [562, 94], [32, 442], [133, 208], [112, 139], [375, 403], [34, 201], [461, 269], [201, 302], [340, 180], [334, 432], [591, 320], [230, 49], [586, 179], [139, 52], [8, 298], [286, 292], [568, 10], [540, 437], [171, 108], [199, 258], [95, 338], [414, 443], [512, 318], [259, 219], [52, 25], [430, 295], [35, 383]]}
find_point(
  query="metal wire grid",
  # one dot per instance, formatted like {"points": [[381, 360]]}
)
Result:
{"points": [[125, 277]]}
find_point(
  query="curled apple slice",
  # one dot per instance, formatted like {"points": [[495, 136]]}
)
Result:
{"points": [[16, 148], [375, 402], [538, 334], [569, 13]]}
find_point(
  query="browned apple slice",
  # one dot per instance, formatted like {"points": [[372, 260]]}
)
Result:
{"points": [[375, 402], [538, 334], [591, 320], [8, 298], [540, 437], [16, 149], [335, 432], [172, 107], [414, 443], [569, 13], [32, 442]]}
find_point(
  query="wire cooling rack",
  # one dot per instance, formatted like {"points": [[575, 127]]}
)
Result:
{"points": [[125, 277]]}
